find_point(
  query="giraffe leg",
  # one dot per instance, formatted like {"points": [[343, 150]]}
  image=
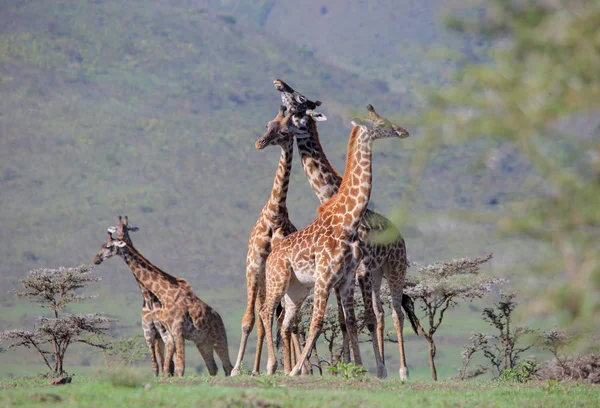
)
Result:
{"points": [[260, 338], [179, 341], [347, 294], [343, 327], [396, 284], [373, 318], [220, 344], [206, 350], [150, 335], [223, 352], [321, 293], [159, 351], [293, 301], [253, 276], [164, 338], [376, 278], [274, 294], [169, 352]]}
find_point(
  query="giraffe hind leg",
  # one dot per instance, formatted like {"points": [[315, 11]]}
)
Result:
{"points": [[206, 350]]}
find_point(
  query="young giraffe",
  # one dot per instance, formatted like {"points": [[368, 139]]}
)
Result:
{"points": [[386, 258], [327, 252], [272, 226], [183, 314], [155, 333]]}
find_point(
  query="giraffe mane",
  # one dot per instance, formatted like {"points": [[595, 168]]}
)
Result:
{"points": [[352, 146], [313, 125], [170, 278]]}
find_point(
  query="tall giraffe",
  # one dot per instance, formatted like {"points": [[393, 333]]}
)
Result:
{"points": [[185, 316], [272, 225], [327, 252], [154, 332], [385, 258]]}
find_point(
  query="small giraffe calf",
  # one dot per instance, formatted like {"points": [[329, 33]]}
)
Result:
{"points": [[185, 316]]}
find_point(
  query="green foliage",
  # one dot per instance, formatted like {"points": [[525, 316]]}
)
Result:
{"points": [[538, 92], [521, 373], [503, 349], [347, 370], [128, 350]]}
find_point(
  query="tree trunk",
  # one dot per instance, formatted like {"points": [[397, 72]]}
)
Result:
{"points": [[432, 358]]}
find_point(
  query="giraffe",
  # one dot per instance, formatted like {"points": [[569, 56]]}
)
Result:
{"points": [[272, 225], [386, 258], [183, 314], [327, 252], [154, 331]]}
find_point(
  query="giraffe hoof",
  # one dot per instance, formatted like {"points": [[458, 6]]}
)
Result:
{"points": [[382, 372], [404, 373], [235, 371]]}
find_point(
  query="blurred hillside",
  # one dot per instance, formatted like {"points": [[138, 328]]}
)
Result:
{"points": [[151, 109]]}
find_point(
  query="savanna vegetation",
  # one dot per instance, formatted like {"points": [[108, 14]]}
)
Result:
{"points": [[152, 108]]}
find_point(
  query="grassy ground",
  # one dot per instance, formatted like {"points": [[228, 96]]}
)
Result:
{"points": [[280, 391]]}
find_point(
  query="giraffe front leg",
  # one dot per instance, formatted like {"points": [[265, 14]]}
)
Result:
{"points": [[252, 283], [293, 301], [320, 296]]}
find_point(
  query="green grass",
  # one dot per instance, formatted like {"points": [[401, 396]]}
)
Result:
{"points": [[291, 392]]}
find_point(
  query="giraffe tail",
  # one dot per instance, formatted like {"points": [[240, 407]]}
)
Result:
{"points": [[409, 308]]}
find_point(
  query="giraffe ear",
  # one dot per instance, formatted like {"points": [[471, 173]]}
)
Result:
{"points": [[120, 244], [111, 230], [317, 116]]}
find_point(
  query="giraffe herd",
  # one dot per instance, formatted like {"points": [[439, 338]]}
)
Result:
{"points": [[343, 245]]}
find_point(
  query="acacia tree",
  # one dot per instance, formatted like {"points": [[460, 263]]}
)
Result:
{"points": [[440, 286], [55, 289], [537, 92]]}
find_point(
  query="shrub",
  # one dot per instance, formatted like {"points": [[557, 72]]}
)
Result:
{"points": [[54, 289]]}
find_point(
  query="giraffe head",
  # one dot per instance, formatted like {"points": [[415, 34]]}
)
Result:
{"points": [[287, 125], [292, 100], [379, 127], [122, 229], [110, 248]]}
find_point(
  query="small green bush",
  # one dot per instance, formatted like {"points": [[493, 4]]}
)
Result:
{"points": [[523, 372], [347, 370]]}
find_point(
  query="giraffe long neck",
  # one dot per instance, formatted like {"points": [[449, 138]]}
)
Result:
{"points": [[148, 276], [321, 175], [352, 198], [276, 205]]}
